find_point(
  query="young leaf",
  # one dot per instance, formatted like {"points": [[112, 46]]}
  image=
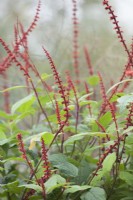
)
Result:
{"points": [[108, 162], [93, 80], [47, 137]]}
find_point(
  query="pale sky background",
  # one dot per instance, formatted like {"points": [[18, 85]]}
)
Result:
{"points": [[124, 9]]}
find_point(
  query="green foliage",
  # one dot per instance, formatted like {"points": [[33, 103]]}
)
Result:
{"points": [[94, 194], [63, 141]]}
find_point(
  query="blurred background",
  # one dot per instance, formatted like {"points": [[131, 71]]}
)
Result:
{"points": [[55, 28]]}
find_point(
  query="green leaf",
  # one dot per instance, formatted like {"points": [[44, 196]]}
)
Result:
{"points": [[88, 102], [93, 80], [127, 177], [83, 173], [13, 159], [2, 135], [83, 98], [32, 186], [80, 136], [1, 169], [54, 182], [116, 96], [11, 187], [95, 193], [12, 88], [5, 141], [47, 137], [127, 80], [105, 119], [24, 104], [130, 128], [60, 162], [97, 179], [124, 101], [76, 188], [45, 76], [108, 162], [57, 159], [23, 115], [6, 115], [68, 169]]}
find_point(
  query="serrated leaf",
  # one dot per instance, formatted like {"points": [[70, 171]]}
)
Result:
{"points": [[95, 193]]}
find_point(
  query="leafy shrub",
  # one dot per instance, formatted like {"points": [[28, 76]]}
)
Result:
{"points": [[64, 141]]}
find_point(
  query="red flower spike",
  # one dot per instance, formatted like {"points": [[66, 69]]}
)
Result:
{"points": [[105, 103], [21, 146], [75, 41], [88, 98], [117, 28], [58, 112], [104, 97], [88, 61], [59, 82], [29, 194], [9, 59], [129, 119], [110, 149], [47, 171]]}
